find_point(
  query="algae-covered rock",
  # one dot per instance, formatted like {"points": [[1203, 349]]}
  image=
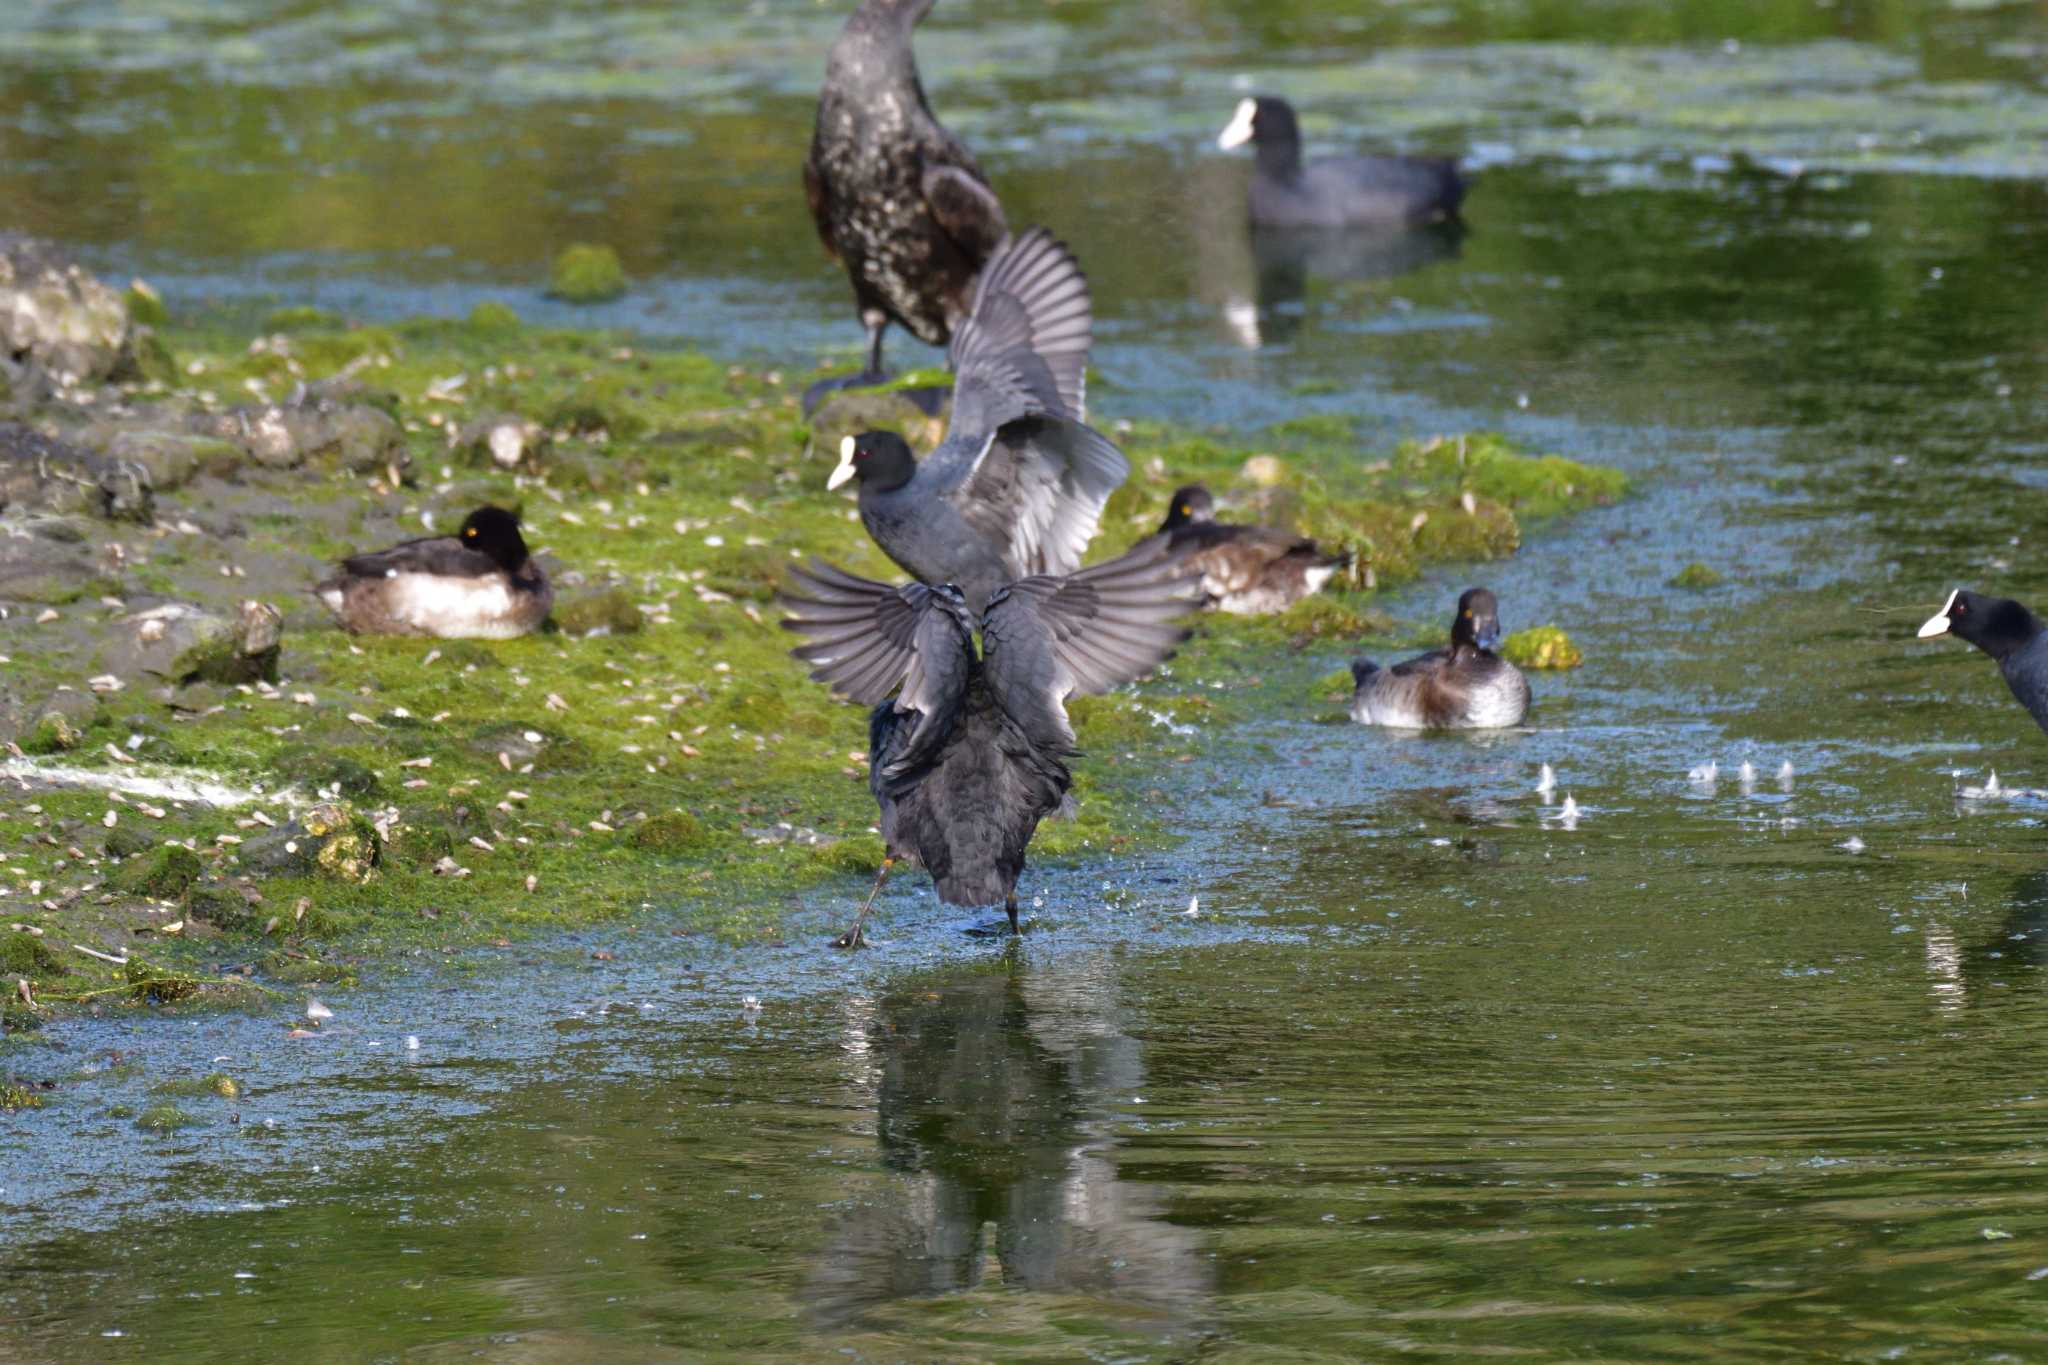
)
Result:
{"points": [[125, 841], [493, 316], [14, 1095], [331, 424], [56, 316], [145, 305], [222, 906], [675, 831], [169, 458], [165, 875], [166, 1117], [180, 642], [17, 1016], [586, 273], [323, 770], [1541, 647], [611, 611], [331, 839], [61, 722], [40, 473], [856, 410], [504, 440], [26, 955], [1696, 575]]}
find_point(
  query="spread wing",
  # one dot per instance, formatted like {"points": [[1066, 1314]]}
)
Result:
{"points": [[1023, 349], [1038, 490], [1046, 638], [867, 639], [442, 555]]}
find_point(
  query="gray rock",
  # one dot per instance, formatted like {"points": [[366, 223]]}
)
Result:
{"points": [[47, 560], [56, 316], [40, 473], [181, 643], [170, 458], [503, 439], [61, 722], [319, 422]]}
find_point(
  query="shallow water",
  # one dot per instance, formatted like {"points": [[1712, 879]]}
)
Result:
{"points": [[1428, 1072]]}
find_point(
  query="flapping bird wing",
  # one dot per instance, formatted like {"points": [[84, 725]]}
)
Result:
{"points": [[1019, 463], [868, 640], [1046, 638]]}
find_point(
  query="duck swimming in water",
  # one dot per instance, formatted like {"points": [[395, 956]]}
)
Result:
{"points": [[1335, 192], [1465, 686], [1246, 570], [479, 584], [2009, 633]]}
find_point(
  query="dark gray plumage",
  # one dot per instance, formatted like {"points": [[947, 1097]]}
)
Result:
{"points": [[970, 753], [895, 196], [479, 583], [1017, 486], [1245, 570], [1463, 687], [2009, 633], [1335, 191]]}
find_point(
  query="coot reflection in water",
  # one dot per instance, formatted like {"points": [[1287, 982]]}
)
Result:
{"points": [[1285, 260], [2018, 952], [997, 1087]]}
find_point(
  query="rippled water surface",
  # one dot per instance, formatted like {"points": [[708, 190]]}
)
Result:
{"points": [[1722, 1070]]}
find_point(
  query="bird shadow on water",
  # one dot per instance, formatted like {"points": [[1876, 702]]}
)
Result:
{"points": [[999, 1088]]}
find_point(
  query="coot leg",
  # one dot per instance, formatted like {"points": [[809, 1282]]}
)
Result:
{"points": [[852, 938], [1011, 905]]}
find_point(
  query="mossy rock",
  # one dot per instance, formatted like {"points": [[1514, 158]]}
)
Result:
{"points": [[493, 317], [195, 1087], [62, 723], [587, 273], [675, 831], [302, 317], [1696, 576], [858, 855], [331, 840], [581, 417], [150, 984], [15, 1017], [165, 875], [166, 1117], [323, 770], [223, 907], [853, 411], [145, 305], [1541, 647], [609, 612], [126, 841], [27, 955], [150, 358], [17, 1096]]}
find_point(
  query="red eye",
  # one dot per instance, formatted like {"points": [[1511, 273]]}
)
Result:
{"points": [[1960, 609]]}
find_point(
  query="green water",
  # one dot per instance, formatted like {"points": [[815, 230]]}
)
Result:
{"points": [[1429, 1073]]}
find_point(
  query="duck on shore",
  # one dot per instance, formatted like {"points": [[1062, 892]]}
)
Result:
{"points": [[480, 583], [1245, 570]]}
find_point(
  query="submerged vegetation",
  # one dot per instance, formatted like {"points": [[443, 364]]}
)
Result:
{"points": [[656, 745]]}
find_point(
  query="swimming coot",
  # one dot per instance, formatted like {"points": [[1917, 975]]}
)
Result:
{"points": [[1245, 570], [2009, 633], [1335, 191], [1464, 687], [895, 196], [1017, 486], [970, 752], [479, 583]]}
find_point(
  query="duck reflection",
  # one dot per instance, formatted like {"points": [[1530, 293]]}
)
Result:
{"points": [[1285, 260], [996, 1090], [2020, 947]]}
